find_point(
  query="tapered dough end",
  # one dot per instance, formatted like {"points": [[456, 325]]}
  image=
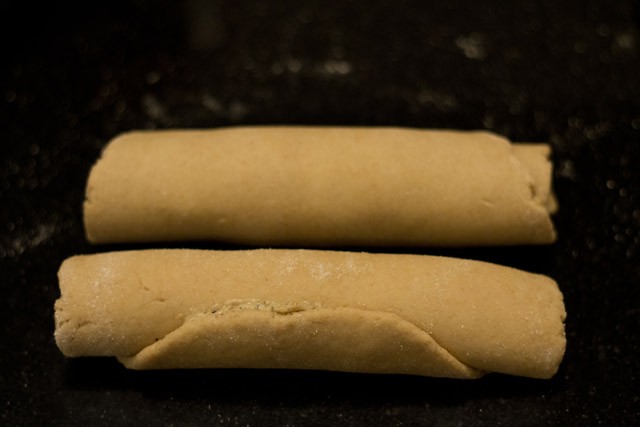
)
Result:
{"points": [[93, 297], [91, 210], [547, 345], [259, 335]]}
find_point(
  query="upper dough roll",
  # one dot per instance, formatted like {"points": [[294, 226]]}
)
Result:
{"points": [[321, 186]]}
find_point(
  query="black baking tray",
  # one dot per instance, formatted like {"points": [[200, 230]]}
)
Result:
{"points": [[76, 74]]}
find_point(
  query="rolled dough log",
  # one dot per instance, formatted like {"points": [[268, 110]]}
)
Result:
{"points": [[306, 309], [315, 186]]}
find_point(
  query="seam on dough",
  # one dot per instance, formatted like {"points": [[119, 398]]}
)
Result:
{"points": [[479, 371], [280, 309], [277, 308]]}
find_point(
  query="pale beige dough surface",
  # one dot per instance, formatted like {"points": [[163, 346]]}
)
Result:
{"points": [[321, 186], [306, 309]]}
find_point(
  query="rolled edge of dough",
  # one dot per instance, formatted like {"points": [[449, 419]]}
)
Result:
{"points": [[262, 186], [407, 314], [335, 339]]}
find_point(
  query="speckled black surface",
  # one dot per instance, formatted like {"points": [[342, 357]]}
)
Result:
{"points": [[567, 72]]}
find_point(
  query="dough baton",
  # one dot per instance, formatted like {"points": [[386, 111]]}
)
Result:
{"points": [[308, 309], [321, 187]]}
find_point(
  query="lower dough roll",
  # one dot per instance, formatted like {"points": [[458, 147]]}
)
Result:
{"points": [[306, 309], [321, 187]]}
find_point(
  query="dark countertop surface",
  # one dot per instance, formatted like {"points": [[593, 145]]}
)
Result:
{"points": [[565, 72]]}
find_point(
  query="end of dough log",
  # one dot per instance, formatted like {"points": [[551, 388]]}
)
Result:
{"points": [[305, 309]]}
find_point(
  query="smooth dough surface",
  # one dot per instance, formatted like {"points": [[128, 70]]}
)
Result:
{"points": [[322, 187], [307, 309]]}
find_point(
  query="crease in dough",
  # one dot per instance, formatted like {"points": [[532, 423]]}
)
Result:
{"points": [[536, 164]]}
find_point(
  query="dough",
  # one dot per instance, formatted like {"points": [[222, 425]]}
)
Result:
{"points": [[321, 187], [307, 309]]}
